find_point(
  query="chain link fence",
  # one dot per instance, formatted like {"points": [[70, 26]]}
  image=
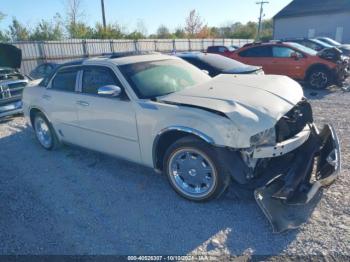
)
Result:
{"points": [[36, 52]]}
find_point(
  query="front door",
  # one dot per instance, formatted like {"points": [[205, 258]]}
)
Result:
{"points": [[287, 61], [107, 124]]}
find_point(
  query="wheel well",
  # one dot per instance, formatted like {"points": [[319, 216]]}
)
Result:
{"points": [[315, 67], [163, 142], [32, 113]]}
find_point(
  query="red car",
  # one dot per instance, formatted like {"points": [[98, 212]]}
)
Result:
{"points": [[318, 69], [227, 51]]}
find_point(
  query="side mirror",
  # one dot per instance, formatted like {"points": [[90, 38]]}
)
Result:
{"points": [[294, 55], [109, 91]]}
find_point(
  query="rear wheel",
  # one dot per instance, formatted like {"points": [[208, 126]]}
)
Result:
{"points": [[193, 170], [44, 132], [319, 78]]}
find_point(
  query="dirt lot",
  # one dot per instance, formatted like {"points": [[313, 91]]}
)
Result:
{"points": [[74, 201]]}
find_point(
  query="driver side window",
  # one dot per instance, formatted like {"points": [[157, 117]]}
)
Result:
{"points": [[95, 77]]}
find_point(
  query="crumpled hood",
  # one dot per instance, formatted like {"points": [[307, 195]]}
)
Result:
{"points": [[10, 56], [253, 102]]}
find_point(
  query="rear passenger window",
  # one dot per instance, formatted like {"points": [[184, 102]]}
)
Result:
{"points": [[96, 77], [65, 80], [261, 51]]}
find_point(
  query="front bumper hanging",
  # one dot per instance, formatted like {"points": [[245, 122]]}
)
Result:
{"points": [[289, 199]]}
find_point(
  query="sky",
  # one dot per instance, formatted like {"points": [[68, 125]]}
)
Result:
{"points": [[152, 13]]}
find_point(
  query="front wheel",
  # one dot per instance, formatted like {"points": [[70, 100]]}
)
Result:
{"points": [[319, 78], [194, 171]]}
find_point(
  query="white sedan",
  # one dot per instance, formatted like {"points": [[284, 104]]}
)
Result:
{"points": [[252, 132]]}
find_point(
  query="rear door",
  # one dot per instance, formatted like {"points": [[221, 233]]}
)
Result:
{"points": [[107, 124], [258, 56], [58, 102]]}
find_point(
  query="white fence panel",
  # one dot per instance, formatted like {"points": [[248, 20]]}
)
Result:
{"points": [[37, 52]]}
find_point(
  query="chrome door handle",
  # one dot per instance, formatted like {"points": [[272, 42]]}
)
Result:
{"points": [[46, 97], [82, 103]]}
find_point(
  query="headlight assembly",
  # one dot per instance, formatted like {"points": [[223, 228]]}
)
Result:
{"points": [[267, 137]]}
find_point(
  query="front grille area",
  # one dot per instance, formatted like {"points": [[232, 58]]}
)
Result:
{"points": [[294, 121], [11, 91]]}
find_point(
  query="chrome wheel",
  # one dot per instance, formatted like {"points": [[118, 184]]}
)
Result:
{"points": [[43, 132], [319, 80], [192, 173]]}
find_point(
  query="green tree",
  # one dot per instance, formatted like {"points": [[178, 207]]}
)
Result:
{"points": [[135, 35], [46, 30], [3, 35], [80, 31], [112, 31], [180, 33], [17, 31], [163, 32], [2, 16], [267, 30]]}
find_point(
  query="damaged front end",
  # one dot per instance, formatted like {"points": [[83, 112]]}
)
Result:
{"points": [[289, 198], [342, 70], [288, 176]]}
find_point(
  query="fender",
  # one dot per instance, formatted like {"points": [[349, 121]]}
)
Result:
{"points": [[188, 130]]}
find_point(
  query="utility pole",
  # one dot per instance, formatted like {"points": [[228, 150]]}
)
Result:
{"points": [[261, 3], [103, 14]]}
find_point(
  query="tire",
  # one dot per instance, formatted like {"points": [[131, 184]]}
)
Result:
{"points": [[194, 170], [319, 78], [44, 132]]}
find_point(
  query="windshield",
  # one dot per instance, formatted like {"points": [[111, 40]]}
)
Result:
{"points": [[302, 48], [159, 78], [330, 41], [323, 44], [221, 63], [231, 48]]}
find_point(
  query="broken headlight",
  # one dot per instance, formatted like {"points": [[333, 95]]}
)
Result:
{"points": [[267, 137]]}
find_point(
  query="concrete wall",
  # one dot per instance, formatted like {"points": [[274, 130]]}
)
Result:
{"points": [[315, 25]]}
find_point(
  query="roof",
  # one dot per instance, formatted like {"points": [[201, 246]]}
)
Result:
{"points": [[190, 54], [122, 60], [129, 59], [313, 7]]}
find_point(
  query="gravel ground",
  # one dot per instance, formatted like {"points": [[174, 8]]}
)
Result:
{"points": [[74, 201]]}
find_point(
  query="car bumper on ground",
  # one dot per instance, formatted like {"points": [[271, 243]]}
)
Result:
{"points": [[289, 198], [12, 108]]}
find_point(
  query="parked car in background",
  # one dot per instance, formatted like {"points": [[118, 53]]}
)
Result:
{"points": [[314, 44], [317, 69], [343, 47], [216, 64], [12, 81], [43, 70], [203, 133], [221, 50]]}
